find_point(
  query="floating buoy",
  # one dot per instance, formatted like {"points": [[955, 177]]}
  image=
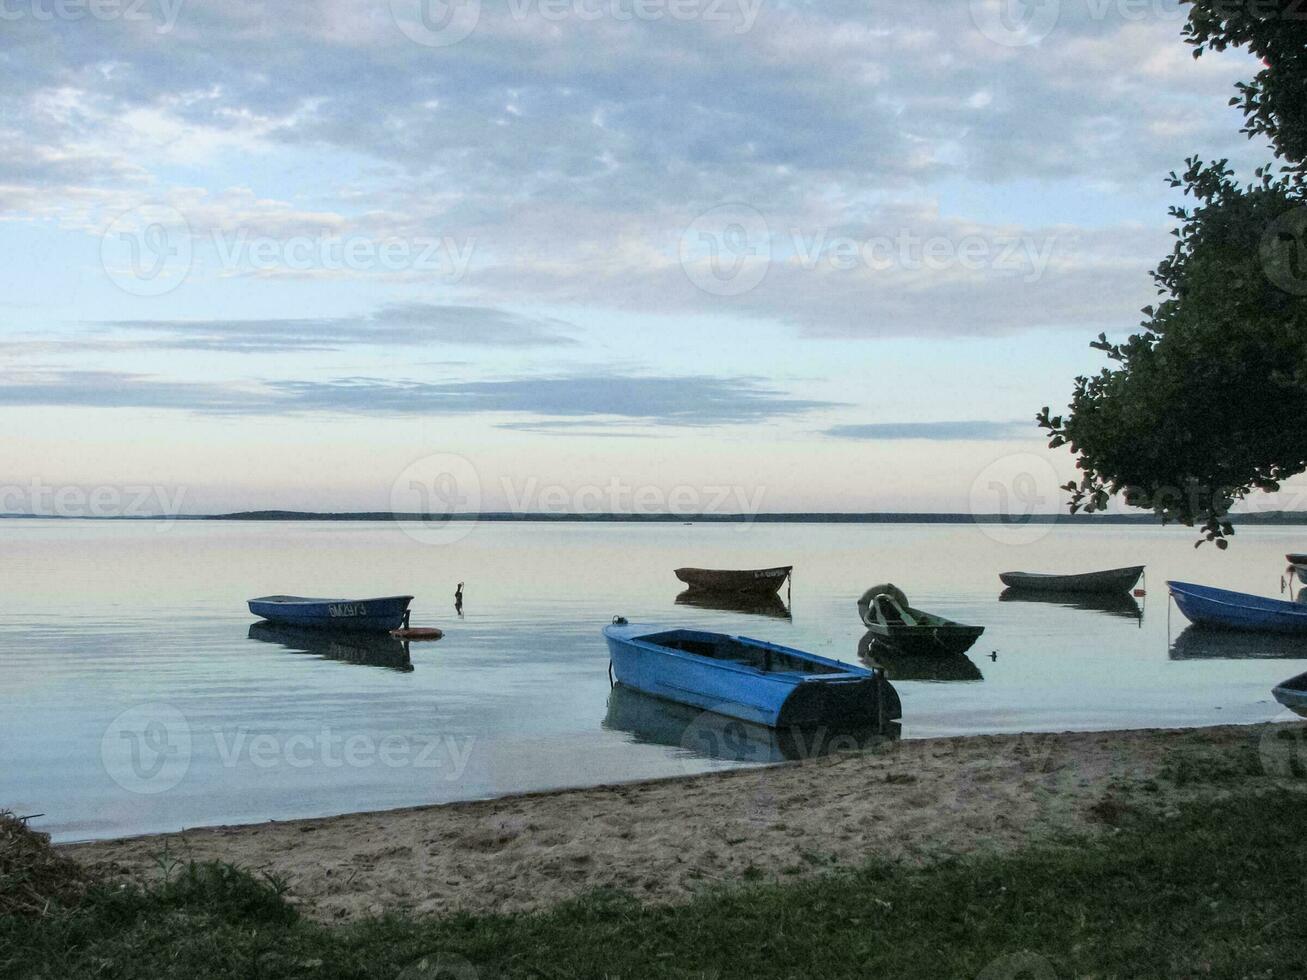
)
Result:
{"points": [[418, 633]]}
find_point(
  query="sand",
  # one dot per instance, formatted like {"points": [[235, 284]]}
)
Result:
{"points": [[917, 801]]}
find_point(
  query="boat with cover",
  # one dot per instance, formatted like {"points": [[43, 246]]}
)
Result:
{"points": [[1226, 609], [748, 581], [350, 615], [885, 611], [749, 679], [1110, 580]]}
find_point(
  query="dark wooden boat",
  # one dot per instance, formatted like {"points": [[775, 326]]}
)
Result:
{"points": [[1111, 580], [749, 581], [885, 612]]}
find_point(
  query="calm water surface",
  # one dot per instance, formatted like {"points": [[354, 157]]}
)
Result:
{"points": [[136, 697]]}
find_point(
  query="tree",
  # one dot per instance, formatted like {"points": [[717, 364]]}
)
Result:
{"points": [[1208, 402]]}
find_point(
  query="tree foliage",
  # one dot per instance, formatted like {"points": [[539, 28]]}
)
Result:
{"points": [[1208, 401]]}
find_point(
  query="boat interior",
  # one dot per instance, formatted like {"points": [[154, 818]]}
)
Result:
{"points": [[732, 650]]}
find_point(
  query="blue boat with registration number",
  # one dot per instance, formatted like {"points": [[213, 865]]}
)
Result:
{"points": [[379, 615], [748, 679], [1226, 609]]}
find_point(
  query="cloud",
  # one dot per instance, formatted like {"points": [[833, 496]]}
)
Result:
{"points": [[400, 324], [689, 401], [960, 431]]}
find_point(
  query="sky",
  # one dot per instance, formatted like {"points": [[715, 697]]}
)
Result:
{"points": [[687, 255]]}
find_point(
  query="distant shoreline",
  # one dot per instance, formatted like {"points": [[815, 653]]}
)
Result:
{"points": [[1267, 518]]}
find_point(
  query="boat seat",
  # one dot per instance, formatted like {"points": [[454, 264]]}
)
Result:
{"points": [[891, 613]]}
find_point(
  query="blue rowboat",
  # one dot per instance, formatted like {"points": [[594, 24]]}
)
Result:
{"points": [[351, 615], [748, 679], [1225, 609]]}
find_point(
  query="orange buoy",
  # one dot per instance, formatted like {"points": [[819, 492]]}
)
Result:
{"points": [[417, 633]]}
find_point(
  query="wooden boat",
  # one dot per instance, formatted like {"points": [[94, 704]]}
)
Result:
{"points": [[749, 679], [885, 612], [1226, 609], [706, 734], [1121, 604], [772, 606], [365, 649], [1292, 693], [348, 615], [751, 581], [1111, 580]]}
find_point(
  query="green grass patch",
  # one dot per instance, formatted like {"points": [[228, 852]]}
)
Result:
{"points": [[1213, 892]]}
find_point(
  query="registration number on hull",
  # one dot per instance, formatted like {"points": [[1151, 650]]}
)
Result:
{"points": [[346, 610]]}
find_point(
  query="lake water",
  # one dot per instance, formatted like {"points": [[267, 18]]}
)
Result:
{"points": [[136, 698]]}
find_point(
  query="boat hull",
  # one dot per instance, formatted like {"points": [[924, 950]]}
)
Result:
{"points": [[831, 694], [751, 581], [946, 640], [1226, 609], [1111, 580], [1292, 694], [379, 615]]}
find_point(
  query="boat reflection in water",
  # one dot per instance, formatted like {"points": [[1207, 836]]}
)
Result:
{"points": [[368, 649], [1202, 643], [708, 735], [1114, 603], [755, 605], [900, 666]]}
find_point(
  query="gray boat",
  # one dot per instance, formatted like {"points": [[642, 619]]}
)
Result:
{"points": [[1111, 580]]}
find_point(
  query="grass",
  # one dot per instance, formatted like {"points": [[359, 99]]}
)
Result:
{"points": [[1214, 891]]}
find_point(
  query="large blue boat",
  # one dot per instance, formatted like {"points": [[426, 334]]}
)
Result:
{"points": [[1225, 609], [351, 615], [748, 679]]}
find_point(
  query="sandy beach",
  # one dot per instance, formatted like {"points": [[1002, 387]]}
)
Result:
{"points": [[917, 801]]}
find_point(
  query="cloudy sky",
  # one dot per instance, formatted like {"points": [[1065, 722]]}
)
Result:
{"points": [[831, 255]]}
